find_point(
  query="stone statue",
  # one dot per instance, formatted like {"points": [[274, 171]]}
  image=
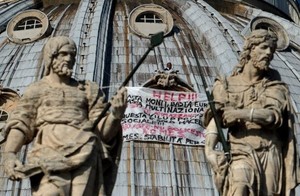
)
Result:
{"points": [[255, 107], [56, 114]]}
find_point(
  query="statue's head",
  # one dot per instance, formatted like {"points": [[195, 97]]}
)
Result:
{"points": [[258, 48], [59, 55]]}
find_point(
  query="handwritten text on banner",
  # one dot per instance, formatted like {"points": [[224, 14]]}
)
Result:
{"points": [[164, 116]]}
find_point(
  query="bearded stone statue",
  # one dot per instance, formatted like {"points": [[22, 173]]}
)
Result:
{"points": [[56, 115], [254, 104]]}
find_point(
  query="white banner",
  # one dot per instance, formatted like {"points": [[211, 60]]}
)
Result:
{"points": [[164, 116]]}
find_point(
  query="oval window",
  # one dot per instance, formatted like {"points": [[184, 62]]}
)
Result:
{"points": [[28, 26], [149, 19]]}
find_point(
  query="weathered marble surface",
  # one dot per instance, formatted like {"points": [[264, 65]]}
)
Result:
{"points": [[56, 114], [254, 105]]}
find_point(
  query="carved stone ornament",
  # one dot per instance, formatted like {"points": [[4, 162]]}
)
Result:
{"points": [[168, 81]]}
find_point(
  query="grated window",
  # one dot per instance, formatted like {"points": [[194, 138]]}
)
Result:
{"points": [[28, 23], [149, 18]]}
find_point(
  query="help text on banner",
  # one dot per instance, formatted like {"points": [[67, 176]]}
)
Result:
{"points": [[164, 116]]}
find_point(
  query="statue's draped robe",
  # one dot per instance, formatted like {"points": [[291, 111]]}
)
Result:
{"points": [[261, 152], [59, 120]]}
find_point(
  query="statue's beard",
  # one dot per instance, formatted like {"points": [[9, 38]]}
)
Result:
{"points": [[62, 69], [261, 64]]}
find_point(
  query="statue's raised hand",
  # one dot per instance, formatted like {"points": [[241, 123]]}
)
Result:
{"points": [[119, 103]]}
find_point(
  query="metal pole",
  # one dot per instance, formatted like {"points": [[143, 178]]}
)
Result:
{"points": [[211, 105]]}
